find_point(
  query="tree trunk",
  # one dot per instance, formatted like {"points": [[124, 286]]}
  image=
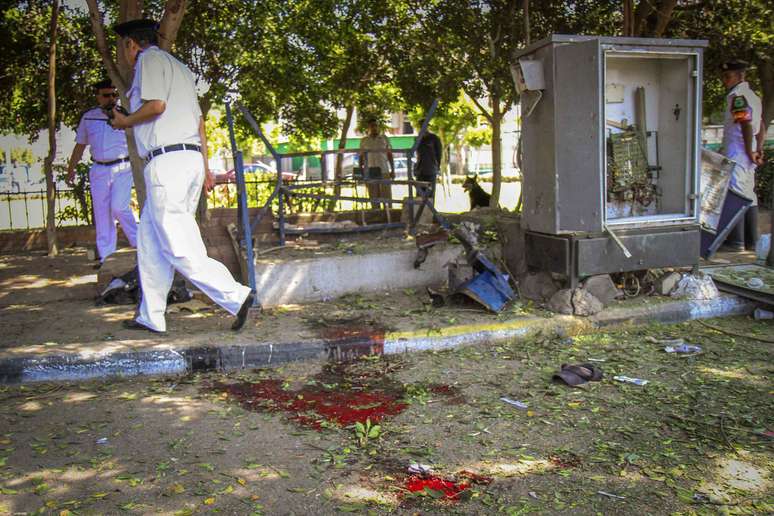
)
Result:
{"points": [[497, 158], [339, 172], [121, 73], [53, 248], [663, 16], [628, 18]]}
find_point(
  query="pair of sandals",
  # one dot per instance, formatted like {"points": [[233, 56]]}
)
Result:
{"points": [[577, 374]]}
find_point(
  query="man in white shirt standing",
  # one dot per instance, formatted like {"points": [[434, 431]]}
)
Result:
{"points": [[110, 175], [169, 130], [743, 135], [376, 159]]}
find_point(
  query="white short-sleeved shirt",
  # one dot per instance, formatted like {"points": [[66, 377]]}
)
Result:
{"points": [[743, 177], [376, 159], [733, 141], [105, 143], [159, 76]]}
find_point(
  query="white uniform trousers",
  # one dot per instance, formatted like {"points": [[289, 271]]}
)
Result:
{"points": [[169, 240], [111, 195]]}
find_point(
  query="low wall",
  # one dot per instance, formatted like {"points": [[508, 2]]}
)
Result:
{"points": [[305, 280]]}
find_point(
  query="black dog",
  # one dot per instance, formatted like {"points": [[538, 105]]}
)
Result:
{"points": [[478, 197]]}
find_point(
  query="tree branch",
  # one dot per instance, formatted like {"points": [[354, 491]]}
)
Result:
{"points": [[483, 110], [107, 60], [170, 23]]}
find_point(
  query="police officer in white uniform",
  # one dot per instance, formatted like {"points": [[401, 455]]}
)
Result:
{"points": [[170, 134], [743, 135], [110, 175]]}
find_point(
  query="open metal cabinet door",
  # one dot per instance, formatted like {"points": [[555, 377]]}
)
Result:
{"points": [[580, 147]]}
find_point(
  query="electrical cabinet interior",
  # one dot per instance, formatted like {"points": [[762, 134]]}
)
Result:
{"points": [[610, 153]]}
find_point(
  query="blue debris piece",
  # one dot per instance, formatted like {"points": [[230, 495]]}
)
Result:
{"points": [[490, 287]]}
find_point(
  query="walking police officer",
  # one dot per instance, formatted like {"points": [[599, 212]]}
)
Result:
{"points": [[110, 175], [169, 130]]}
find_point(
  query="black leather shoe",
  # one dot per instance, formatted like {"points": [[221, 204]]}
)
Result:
{"points": [[241, 316], [131, 324]]}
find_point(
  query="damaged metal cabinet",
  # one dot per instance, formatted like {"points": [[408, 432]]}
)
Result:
{"points": [[611, 140]]}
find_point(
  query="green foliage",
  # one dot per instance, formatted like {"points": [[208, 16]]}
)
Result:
{"points": [[81, 211], [365, 432], [24, 61], [735, 29], [764, 177], [22, 156]]}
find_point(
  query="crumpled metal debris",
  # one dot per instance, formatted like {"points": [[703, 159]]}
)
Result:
{"points": [[489, 286]]}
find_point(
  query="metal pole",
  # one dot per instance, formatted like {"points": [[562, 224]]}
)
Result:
{"points": [[281, 211], [246, 230]]}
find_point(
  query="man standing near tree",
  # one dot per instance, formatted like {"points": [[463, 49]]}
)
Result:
{"points": [[110, 175], [169, 129], [376, 159], [743, 135]]}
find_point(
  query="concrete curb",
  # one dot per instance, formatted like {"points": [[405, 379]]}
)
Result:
{"points": [[250, 355]]}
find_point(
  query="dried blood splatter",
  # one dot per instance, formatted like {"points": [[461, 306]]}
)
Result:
{"points": [[310, 407]]}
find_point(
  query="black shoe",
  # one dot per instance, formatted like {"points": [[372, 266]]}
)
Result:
{"points": [[97, 266], [241, 316], [131, 324]]}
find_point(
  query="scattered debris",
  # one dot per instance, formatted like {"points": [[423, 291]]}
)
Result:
{"points": [[585, 303], [667, 283], [665, 342], [611, 495], [102, 441], [425, 241], [420, 469], [683, 348], [488, 286], [760, 314], [755, 283], [575, 302], [597, 359], [602, 288], [763, 246], [518, 404], [533, 494], [627, 379], [696, 287]]}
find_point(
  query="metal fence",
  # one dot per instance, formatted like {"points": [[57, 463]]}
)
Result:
{"points": [[28, 210]]}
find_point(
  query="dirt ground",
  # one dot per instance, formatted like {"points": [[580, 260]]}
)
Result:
{"points": [[52, 301], [697, 439]]}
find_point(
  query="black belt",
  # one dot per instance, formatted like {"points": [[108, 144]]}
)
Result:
{"points": [[171, 148], [114, 162]]}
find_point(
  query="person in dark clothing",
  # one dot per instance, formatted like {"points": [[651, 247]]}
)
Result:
{"points": [[428, 158]]}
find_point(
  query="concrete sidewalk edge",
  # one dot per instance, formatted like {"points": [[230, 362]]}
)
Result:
{"points": [[250, 355]]}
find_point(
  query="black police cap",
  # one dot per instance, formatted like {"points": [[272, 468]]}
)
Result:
{"points": [[127, 29], [102, 84], [734, 65]]}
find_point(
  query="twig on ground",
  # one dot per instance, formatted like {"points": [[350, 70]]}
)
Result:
{"points": [[725, 437], [735, 334]]}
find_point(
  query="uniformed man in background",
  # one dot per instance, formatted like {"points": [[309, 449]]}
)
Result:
{"points": [[110, 175], [743, 136], [169, 130]]}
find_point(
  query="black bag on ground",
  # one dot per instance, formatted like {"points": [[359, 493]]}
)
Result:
{"points": [[125, 290]]}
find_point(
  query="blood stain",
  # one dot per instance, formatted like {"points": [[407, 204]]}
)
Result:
{"points": [[310, 407], [451, 490]]}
